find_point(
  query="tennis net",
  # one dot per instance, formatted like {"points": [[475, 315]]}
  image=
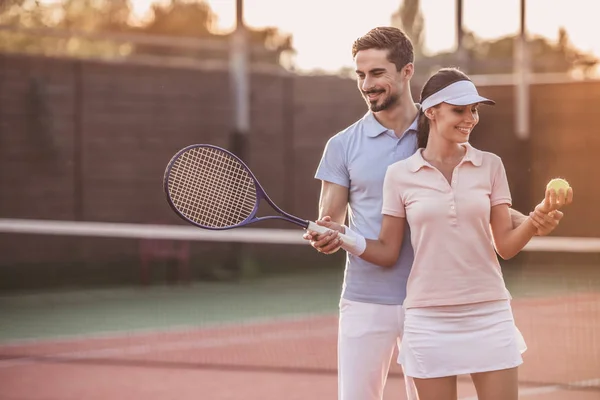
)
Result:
{"points": [[161, 296]]}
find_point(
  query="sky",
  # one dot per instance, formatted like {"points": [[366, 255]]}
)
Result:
{"points": [[323, 30]]}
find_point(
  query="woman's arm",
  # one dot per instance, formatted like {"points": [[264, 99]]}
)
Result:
{"points": [[510, 240], [383, 251]]}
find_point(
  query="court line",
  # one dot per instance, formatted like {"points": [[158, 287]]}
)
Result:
{"points": [[560, 299], [523, 392], [587, 383], [527, 392]]}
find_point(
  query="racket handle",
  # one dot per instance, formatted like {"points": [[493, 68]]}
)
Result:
{"points": [[350, 241]]}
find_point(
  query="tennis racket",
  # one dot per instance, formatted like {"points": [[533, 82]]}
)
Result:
{"points": [[212, 188]]}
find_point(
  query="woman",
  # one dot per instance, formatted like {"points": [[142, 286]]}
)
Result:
{"points": [[456, 199]]}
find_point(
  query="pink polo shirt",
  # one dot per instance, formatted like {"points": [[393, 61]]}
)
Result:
{"points": [[455, 260]]}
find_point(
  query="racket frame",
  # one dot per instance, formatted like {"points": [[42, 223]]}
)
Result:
{"points": [[261, 194]]}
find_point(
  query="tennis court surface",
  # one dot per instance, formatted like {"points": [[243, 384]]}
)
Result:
{"points": [[268, 336]]}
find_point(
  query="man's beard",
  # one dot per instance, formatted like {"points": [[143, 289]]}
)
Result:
{"points": [[387, 103]]}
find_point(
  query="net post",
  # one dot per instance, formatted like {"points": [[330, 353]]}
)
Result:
{"points": [[521, 73], [78, 143], [461, 52], [238, 264]]}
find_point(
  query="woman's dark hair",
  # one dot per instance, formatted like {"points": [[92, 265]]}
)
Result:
{"points": [[444, 77]]}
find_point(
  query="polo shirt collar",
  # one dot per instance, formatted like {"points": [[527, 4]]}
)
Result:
{"points": [[373, 128], [473, 156]]}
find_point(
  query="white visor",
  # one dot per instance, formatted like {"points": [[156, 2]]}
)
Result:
{"points": [[461, 93]]}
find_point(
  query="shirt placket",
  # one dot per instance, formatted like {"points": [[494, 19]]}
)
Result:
{"points": [[453, 185], [401, 151]]}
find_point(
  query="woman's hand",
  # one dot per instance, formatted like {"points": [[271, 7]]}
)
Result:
{"points": [[326, 243]]}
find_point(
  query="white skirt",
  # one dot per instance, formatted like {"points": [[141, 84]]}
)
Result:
{"points": [[463, 339]]}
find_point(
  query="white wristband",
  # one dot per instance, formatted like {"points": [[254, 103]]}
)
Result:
{"points": [[359, 245]]}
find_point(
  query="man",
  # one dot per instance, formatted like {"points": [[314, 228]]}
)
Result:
{"points": [[352, 171]]}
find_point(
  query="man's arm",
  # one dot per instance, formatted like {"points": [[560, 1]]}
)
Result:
{"points": [[516, 218], [333, 202], [333, 206]]}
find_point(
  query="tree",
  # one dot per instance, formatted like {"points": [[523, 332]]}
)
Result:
{"points": [[81, 15], [178, 18], [496, 56], [410, 19], [183, 18]]}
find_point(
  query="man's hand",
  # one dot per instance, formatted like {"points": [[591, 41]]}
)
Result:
{"points": [[326, 243], [546, 215], [545, 223]]}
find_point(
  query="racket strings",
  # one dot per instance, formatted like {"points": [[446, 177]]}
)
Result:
{"points": [[212, 188], [224, 189], [209, 197]]}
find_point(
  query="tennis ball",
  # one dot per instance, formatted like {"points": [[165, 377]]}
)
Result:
{"points": [[557, 184]]}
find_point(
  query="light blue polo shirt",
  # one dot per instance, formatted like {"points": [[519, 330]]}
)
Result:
{"points": [[358, 158]]}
